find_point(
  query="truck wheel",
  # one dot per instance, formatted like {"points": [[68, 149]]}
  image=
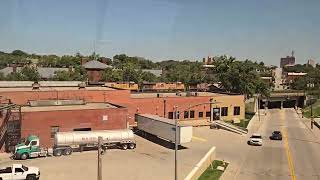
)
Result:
{"points": [[67, 151], [124, 146], [58, 152], [31, 177], [24, 156], [132, 146]]}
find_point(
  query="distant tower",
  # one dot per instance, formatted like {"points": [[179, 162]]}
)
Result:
{"points": [[292, 53]]}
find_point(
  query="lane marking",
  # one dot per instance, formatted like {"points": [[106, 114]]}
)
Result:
{"points": [[199, 139], [287, 148]]}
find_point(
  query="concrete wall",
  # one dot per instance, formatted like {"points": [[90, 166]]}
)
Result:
{"points": [[39, 123], [202, 165]]}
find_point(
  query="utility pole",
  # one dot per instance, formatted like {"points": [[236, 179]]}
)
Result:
{"points": [[175, 144], [99, 159], [211, 112], [258, 108], [312, 120]]}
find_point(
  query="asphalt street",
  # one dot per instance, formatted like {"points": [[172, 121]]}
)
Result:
{"points": [[295, 157]]}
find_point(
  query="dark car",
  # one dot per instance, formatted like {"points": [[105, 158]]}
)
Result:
{"points": [[276, 135]]}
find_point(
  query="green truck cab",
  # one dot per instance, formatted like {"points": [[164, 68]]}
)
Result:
{"points": [[30, 148]]}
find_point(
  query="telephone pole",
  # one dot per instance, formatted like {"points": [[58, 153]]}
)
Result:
{"points": [[99, 159]]}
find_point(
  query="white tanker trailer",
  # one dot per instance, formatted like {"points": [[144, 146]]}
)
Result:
{"points": [[66, 142]]}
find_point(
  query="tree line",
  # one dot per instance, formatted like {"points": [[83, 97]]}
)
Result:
{"points": [[231, 74]]}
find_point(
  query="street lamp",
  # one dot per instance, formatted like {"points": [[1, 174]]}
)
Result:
{"points": [[175, 113]]}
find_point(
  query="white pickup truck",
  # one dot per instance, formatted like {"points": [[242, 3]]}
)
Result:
{"points": [[19, 172]]}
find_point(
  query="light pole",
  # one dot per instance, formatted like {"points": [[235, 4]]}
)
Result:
{"points": [[175, 143], [175, 113]]}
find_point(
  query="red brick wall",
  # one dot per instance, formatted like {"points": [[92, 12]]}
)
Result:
{"points": [[22, 97], [39, 123]]}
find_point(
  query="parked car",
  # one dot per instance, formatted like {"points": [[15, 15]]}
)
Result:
{"points": [[276, 135], [255, 139], [18, 172]]}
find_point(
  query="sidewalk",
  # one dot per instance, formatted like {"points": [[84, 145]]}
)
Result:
{"points": [[252, 127], [307, 122]]}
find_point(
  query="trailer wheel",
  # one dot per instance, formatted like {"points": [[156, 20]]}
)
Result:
{"points": [[124, 146], [58, 152], [132, 146], [67, 152], [24, 156]]}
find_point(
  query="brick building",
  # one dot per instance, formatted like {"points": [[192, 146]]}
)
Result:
{"points": [[119, 106], [46, 120], [287, 61]]}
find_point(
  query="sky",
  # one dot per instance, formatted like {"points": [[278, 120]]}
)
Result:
{"points": [[260, 30]]}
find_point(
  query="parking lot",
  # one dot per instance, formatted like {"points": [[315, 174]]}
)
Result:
{"points": [[148, 161]]}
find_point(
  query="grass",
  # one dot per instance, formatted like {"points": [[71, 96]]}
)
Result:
{"points": [[315, 110], [211, 173]]}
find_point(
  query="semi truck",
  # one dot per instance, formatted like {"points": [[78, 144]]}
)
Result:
{"points": [[163, 128], [66, 142]]}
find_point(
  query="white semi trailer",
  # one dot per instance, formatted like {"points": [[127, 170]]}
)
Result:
{"points": [[66, 142], [163, 128]]}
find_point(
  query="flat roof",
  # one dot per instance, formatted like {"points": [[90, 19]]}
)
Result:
{"points": [[68, 107], [182, 94], [55, 89]]}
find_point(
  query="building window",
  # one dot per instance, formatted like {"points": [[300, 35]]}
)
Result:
{"points": [[224, 111], [192, 114], [208, 114], [200, 114], [186, 114], [53, 130], [170, 115], [236, 110]]}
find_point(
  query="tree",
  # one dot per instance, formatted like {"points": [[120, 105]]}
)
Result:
{"points": [[148, 76], [240, 76], [30, 74], [14, 76], [19, 53], [79, 74], [186, 72], [2, 77], [107, 75], [130, 73]]}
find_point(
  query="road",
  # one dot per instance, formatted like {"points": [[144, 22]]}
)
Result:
{"points": [[295, 157]]}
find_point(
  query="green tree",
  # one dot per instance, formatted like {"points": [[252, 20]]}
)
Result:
{"points": [[130, 73], [14, 76], [240, 76], [186, 72], [149, 77], [2, 77], [19, 53], [30, 74]]}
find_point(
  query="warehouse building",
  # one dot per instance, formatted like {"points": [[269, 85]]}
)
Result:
{"points": [[104, 108], [45, 119]]}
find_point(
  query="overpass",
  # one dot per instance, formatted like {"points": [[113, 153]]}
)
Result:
{"points": [[284, 99]]}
